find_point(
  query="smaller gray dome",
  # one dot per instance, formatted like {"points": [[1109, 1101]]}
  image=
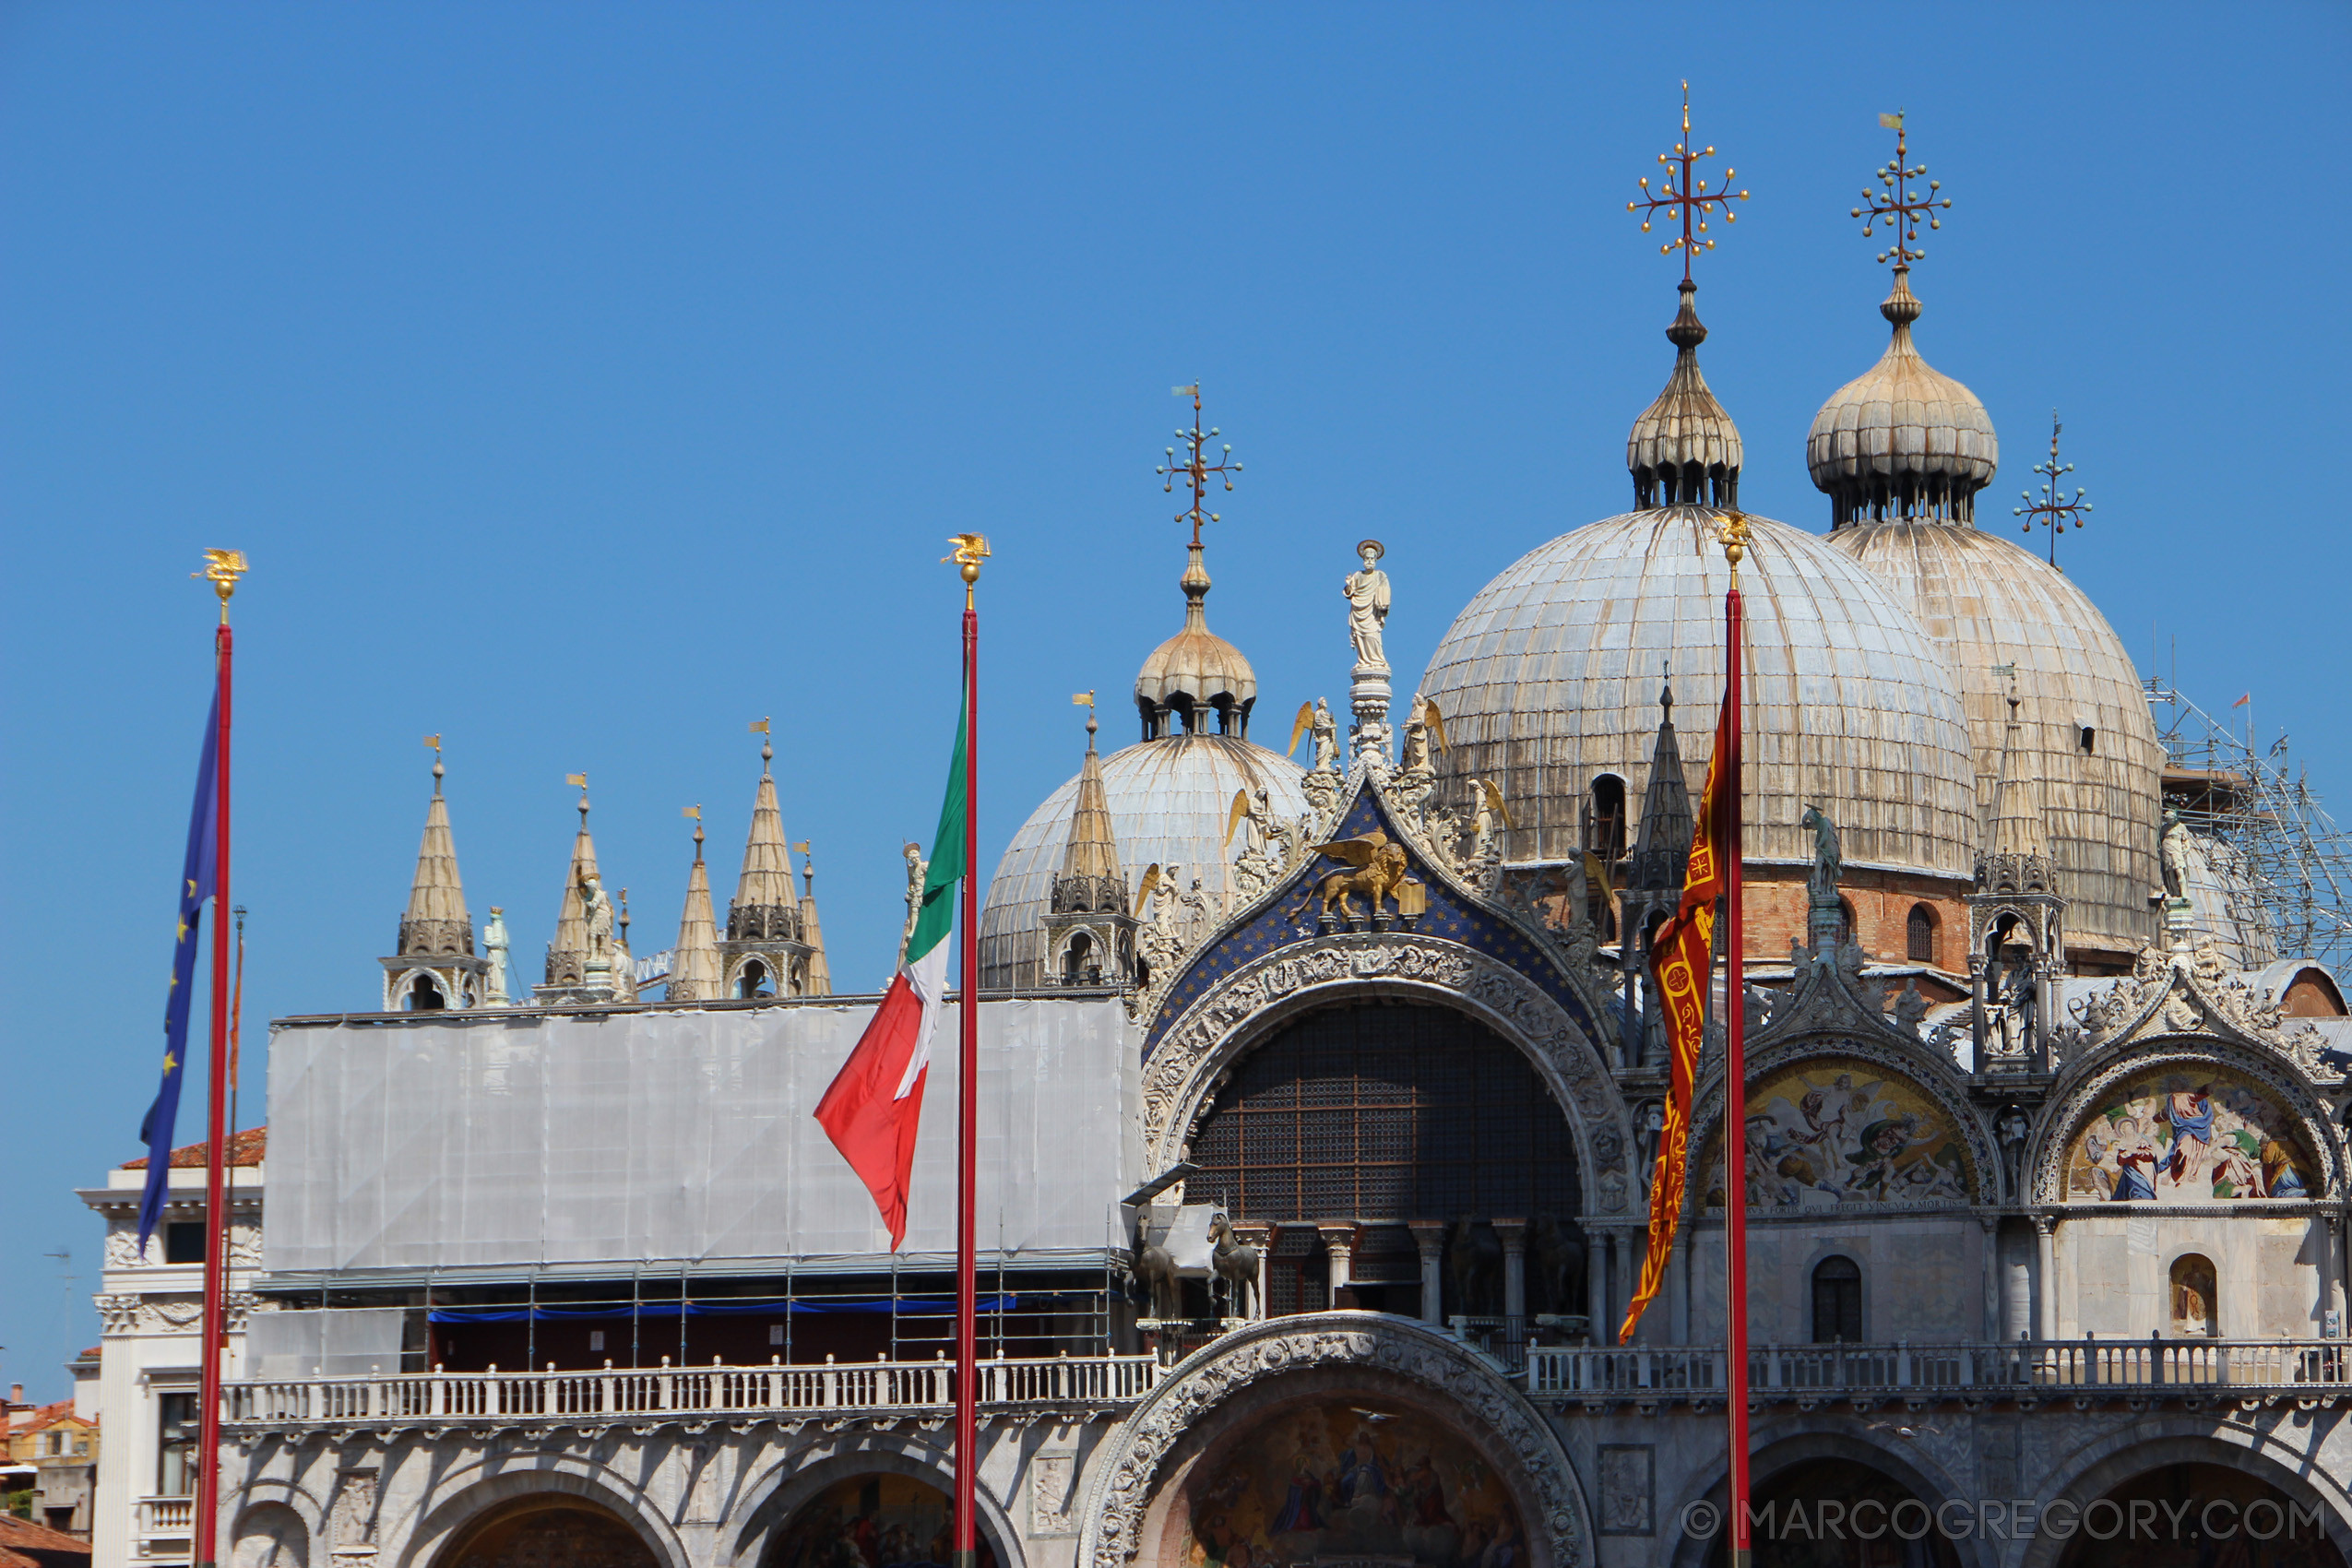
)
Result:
{"points": [[1684, 444], [1904, 439]]}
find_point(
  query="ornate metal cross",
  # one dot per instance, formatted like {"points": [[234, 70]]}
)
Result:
{"points": [[1899, 204], [2051, 511], [1684, 198], [1193, 467]]}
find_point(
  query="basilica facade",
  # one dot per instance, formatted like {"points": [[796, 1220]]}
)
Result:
{"points": [[1320, 1093]]}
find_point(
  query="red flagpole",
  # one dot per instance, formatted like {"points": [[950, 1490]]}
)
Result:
{"points": [[1735, 1107], [208, 1499], [968, 1117]]}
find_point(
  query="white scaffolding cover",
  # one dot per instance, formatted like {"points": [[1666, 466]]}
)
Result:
{"points": [[477, 1141]]}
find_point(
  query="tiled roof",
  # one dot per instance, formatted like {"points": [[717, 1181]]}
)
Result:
{"points": [[244, 1148], [24, 1544], [49, 1416]]}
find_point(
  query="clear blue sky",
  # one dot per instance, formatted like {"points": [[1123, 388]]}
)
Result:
{"points": [[587, 381]]}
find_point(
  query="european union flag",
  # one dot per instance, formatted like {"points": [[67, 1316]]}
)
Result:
{"points": [[196, 887]]}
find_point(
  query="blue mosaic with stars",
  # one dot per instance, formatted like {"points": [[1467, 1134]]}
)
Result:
{"points": [[1289, 919]]}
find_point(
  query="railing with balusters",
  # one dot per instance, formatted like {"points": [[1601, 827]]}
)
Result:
{"points": [[2029, 1369], [444, 1397]]}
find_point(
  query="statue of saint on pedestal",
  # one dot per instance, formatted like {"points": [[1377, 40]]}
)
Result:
{"points": [[1367, 592], [596, 907], [494, 949], [1829, 862]]}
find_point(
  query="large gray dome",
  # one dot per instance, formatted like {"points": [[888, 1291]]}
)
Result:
{"points": [[1169, 802], [1987, 604], [1550, 678]]}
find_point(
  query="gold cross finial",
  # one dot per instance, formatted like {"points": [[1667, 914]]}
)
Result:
{"points": [[2051, 511], [1899, 203], [1193, 467], [222, 569], [1684, 197]]}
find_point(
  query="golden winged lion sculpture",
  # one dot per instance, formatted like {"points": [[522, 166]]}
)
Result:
{"points": [[1377, 868]]}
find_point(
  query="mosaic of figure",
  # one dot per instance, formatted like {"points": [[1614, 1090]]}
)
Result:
{"points": [[2188, 1137], [881, 1521], [1353, 1480], [1832, 1132]]}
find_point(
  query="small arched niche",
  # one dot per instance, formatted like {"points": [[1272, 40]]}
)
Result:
{"points": [[2195, 1284]]}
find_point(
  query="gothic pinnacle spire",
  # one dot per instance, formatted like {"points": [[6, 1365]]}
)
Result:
{"points": [[693, 961]]}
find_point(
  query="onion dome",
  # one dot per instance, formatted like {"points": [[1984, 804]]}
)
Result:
{"points": [[1903, 440], [1685, 447], [2086, 737], [1546, 681], [1163, 802], [1195, 672]]}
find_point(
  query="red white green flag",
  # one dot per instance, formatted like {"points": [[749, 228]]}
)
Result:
{"points": [[875, 1103]]}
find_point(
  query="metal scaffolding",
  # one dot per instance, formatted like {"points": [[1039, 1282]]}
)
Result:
{"points": [[2262, 827]]}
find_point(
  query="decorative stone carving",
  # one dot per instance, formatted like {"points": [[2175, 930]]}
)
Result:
{"points": [[1396, 1346], [2193, 992], [1051, 1477], [352, 1518], [1180, 1073]]}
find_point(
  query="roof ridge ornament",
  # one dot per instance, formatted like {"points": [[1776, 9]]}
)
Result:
{"points": [[1685, 198]]}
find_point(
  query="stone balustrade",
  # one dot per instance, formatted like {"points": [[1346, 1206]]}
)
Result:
{"points": [[2018, 1370], [666, 1393]]}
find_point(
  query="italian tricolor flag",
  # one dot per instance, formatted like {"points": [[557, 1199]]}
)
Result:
{"points": [[875, 1102]]}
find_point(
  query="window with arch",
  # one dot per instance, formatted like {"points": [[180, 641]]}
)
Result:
{"points": [[422, 996], [1918, 935], [1605, 818], [1845, 923], [753, 983], [1837, 1301], [1079, 965], [2195, 1285], [1385, 1111]]}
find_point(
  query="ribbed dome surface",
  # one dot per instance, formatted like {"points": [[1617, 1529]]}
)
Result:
{"points": [[1987, 603], [1168, 800], [1904, 439], [1550, 678]]}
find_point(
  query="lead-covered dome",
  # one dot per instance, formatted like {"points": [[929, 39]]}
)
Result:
{"points": [[2088, 737], [1548, 682], [1168, 798], [1902, 439]]}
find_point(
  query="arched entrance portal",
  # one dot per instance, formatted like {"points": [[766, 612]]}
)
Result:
{"points": [[551, 1531], [2196, 1515], [879, 1520], [1840, 1513], [1350, 1123]]}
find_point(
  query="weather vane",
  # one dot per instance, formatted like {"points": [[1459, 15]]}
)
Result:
{"points": [[1684, 198], [2051, 511], [1195, 468], [1900, 204], [222, 569]]}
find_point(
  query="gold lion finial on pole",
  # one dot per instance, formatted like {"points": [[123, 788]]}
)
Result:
{"points": [[222, 569], [1731, 529], [971, 548]]}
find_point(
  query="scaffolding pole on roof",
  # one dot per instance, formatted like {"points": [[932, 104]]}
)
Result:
{"points": [[2294, 863]]}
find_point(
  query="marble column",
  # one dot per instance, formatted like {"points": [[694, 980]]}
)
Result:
{"points": [[1622, 1275], [2017, 1319], [1429, 1238], [1339, 1241], [1513, 1233], [1262, 1236], [2331, 1239], [1992, 1262], [2046, 1265], [1596, 1287]]}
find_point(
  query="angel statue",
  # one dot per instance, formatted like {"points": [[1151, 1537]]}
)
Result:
{"points": [[1423, 726], [1367, 593], [1378, 870], [1327, 738]]}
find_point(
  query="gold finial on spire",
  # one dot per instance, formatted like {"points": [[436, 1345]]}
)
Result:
{"points": [[1193, 467], [971, 548], [222, 569], [760, 727], [579, 781], [2051, 511], [1684, 198], [1899, 204], [434, 742]]}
